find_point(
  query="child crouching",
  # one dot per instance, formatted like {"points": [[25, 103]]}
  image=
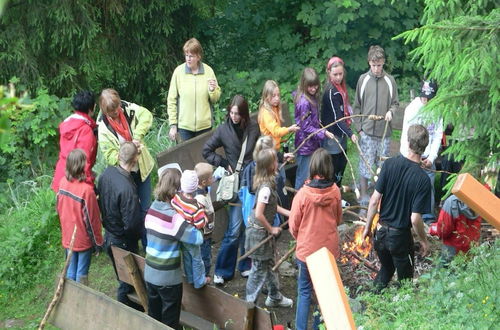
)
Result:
{"points": [[188, 207], [259, 227]]}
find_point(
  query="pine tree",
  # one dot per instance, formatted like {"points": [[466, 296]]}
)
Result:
{"points": [[458, 47]]}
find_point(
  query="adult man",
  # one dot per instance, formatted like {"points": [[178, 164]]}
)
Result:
{"points": [[376, 94], [414, 115], [403, 190], [77, 131], [120, 209]]}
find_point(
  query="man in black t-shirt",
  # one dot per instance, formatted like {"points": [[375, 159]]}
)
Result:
{"points": [[404, 192]]}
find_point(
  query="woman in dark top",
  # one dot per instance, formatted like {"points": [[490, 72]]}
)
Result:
{"points": [[335, 105], [230, 136]]}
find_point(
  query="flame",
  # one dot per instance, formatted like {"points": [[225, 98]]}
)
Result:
{"points": [[357, 243]]}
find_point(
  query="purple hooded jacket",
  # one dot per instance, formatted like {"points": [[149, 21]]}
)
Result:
{"points": [[307, 118]]}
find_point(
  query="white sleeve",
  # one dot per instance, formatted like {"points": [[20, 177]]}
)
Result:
{"points": [[435, 143], [264, 195]]}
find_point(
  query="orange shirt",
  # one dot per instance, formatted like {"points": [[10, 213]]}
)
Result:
{"points": [[270, 124], [313, 221]]}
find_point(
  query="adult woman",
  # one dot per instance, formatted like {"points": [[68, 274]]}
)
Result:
{"points": [[124, 121], [193, 89], [231, 135], [335, 105]]}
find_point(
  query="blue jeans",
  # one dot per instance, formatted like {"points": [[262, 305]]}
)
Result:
{"points": [[79, 264], [304, 295], [144, 194], [193, 265], [302, 170], [187, 135], [430, 217], [206, 254], [228, 252]]}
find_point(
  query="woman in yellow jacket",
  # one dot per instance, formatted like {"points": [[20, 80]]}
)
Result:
{"points": [[193, 90], [270, 118]]}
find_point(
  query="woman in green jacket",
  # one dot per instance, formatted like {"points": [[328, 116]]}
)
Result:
{"points": [[122, 121], [193, 90]]}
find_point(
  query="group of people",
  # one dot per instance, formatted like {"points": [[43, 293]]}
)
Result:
{"points": [[176, 227]]}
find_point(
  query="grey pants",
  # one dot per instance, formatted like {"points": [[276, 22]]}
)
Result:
{"points": [[261, 274]]}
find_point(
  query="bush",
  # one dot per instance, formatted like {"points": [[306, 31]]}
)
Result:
{"points": [[463, 296]]}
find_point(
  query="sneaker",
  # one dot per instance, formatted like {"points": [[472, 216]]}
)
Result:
{"points": [[245, 273], [284, 302], [218, 280]]}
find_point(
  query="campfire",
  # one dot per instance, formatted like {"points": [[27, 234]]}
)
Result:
{"points": [[356, 245]]}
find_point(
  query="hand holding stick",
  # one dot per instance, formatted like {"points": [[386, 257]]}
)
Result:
{"points": [[264, 241]]}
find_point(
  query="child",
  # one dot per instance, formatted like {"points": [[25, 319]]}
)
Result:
{"points": [[77, 206], [316, 212], [259, 227], [307, 118], [186, 205], [458, 226], [204, 171], [270, 118], [166, 230], [335, 105]]}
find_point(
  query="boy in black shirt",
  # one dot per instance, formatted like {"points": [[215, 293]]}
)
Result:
{"points": [[404, 191]]}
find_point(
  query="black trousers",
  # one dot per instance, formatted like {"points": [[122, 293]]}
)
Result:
{"points": [[165, 303], [339, 163], [394, 248]]}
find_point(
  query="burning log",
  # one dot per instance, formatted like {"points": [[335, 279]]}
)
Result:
{"points": [[365, 262]]}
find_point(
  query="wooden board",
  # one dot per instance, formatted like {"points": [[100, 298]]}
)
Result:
{"points": [[478, 197], [208, 303], [329, 290], [83, 308]]}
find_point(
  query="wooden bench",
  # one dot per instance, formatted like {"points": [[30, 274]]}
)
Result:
{"points": [[81, 307], [202, 308]]}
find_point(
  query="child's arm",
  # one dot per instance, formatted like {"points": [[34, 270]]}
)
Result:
{"points": [[283, 211], [259, 215]]}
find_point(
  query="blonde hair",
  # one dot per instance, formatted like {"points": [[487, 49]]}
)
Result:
{"points": [[75, 165], [109, 100], [263, 142], [204, 171], [376, 53], [128, 152], [264, 169], [267, 93], [193, 46], [168, 184], [308, 78]]}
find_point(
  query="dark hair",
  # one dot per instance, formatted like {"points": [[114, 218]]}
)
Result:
{"points": [[418, 138], [321, 165], [83, 101], [168, 184], [75, 165], [243, 110]]}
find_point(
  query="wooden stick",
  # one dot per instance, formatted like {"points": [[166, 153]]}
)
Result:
{"points": [[354, 207], [264, 241], [282, 259], [353, 213], [365, 262], [60, 284]]}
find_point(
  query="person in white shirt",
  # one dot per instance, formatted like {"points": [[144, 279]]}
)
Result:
{"points": [[414, 115]]}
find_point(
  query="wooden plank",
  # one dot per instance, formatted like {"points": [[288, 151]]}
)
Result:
{"points": [[217, 306], [262, 319], [137, 280], [191, 321], [83, 308], [478, 197], [329, 290]]}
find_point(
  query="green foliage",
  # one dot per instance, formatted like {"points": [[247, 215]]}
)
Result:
{"points": [[458, 46], [132, 46], [249, 42], [31, 144], [463, 296], [30, 237]]}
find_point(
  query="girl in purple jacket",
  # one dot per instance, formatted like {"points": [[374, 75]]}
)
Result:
{"points": [[306, 101]]}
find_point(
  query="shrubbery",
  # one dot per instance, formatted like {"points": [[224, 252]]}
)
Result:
{"points": [[463, 296]]}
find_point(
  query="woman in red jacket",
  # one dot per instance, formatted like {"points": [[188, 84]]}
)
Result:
{"points": [[77, 206], [316, 212], [77, 131]]}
